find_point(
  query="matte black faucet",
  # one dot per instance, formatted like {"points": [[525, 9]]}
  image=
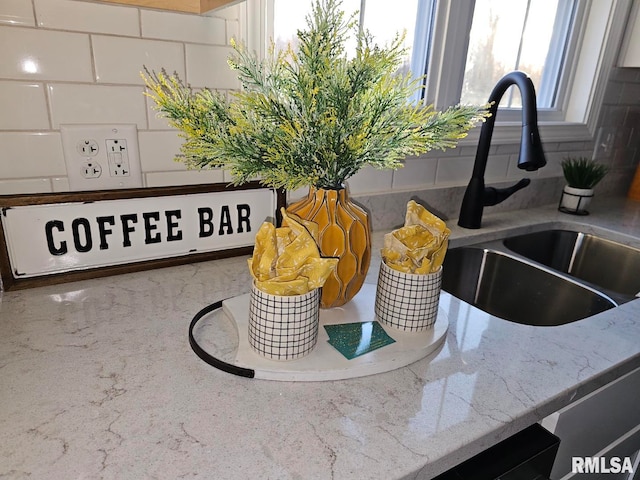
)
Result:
{"points": [[531, 156]]}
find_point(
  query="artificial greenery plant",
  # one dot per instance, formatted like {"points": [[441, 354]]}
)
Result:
{"points": [[583, 173], [310, 117]]}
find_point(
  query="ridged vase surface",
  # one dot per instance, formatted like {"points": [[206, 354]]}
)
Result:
{"points": [[344, 232]]}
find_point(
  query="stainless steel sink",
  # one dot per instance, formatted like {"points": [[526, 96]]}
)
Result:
{"points": [[600, 262], [516, 290]]}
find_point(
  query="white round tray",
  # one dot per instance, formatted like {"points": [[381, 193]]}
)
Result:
{"points": [[223, 334]]}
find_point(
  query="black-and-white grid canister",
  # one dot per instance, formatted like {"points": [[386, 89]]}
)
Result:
{"points": [[283, 327], [407, 301]]}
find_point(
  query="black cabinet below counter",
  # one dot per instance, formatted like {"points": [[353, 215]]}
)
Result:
{"points": [[527, 455]]}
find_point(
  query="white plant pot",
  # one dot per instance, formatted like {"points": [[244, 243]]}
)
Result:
{"points": [[283, 327], [575, 200], [407, 301]]}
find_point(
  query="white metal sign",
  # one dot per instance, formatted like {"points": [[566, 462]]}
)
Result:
{"points": [[61, 237]]}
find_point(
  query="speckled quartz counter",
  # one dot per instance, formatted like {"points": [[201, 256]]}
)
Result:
{"points": [[97, 381]]}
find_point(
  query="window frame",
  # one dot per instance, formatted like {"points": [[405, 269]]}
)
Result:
{"points": [[598, 38], [571, 15], [572, 25]]}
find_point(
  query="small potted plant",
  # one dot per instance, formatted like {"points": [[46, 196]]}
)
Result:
{"points": [[582, 175]]}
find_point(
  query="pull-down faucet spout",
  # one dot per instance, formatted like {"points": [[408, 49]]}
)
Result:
{"points": [[531, 156]]}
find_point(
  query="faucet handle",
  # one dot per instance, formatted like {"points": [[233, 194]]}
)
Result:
{"points": [[493, 196]]}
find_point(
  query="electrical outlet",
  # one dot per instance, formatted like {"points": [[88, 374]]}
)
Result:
{"points": [[118, 157], [91, 170], [88, 147], [101, 157]]}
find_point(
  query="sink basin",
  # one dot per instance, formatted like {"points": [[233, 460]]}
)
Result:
{"points": [[514, 290], [603, 263]]}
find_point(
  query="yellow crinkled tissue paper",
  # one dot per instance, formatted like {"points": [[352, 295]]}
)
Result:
{"points": [[286, 260], [419, 246]]}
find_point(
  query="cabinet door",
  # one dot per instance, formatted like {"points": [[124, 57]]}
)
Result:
{"points": [[604, 423], [189, 6], [630, 51]]}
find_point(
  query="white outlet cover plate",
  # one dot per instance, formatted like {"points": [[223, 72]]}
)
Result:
{"points": [[99, 134]]}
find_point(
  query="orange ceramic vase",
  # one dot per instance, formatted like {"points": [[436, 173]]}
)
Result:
{"points": [[344, 232]]}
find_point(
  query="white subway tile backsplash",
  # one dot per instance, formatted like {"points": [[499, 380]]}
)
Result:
{"points": [[571, 146], [207, 67], [370, 180], [120, 60], [454, 170], [158, 151], [471, 150], [189, 177], [508, 148], [457, 171], [183, 27], [631, 90], [60, 184], [416, 173], [23, 106], [27, 153], [228, 178], [233, 30], [72, 103], [497, 167], [33, 54], [87, 17], [16, 12], [156, 119], [613, 93], [25, 185], [613, 114], [449, 152], [552, 168], [297, 194]]}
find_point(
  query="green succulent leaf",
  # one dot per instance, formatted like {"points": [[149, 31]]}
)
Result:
{"points": [[581, 172]]}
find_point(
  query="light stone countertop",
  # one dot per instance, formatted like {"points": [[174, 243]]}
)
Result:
{"points": [[97, 381]]}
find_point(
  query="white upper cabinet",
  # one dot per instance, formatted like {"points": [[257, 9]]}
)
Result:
{"points": [[189, 6]]}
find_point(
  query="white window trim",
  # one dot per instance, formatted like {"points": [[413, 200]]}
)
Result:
{"points": [[444, 76], [605, 19], [556, 57], [256, 25]]}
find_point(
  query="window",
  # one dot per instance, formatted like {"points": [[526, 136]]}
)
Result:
{"points": [[375, 16], [526, 35], [505, 35], [567, 46]]}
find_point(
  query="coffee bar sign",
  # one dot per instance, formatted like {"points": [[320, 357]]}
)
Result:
{"points": [[102, 230]]}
